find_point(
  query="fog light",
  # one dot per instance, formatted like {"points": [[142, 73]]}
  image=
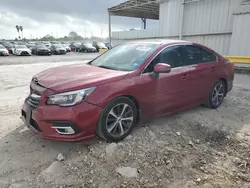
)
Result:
{"points": [[64, 130]]}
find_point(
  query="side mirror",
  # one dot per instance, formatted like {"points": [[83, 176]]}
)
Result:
{"points": [[161, 68]]}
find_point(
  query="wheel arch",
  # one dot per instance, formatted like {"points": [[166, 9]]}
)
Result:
{"points": [[135, 101]]}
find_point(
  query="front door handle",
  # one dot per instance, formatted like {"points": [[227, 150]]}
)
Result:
{"points": [[184, 76], [213, 69]]}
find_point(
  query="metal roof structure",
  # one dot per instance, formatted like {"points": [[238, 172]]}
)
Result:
{"points": [[244, 8], [147, 9]]}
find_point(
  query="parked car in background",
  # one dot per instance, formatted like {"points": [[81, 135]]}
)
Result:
{"points": [[66, 46], [75, 46], [3, 51], [87, 47], [57, 49], [67, 43], [55, 42], [8, 46], [21, 50], [107, 45], [30, 45], [76, 102], [40, 49], [47, 44], [99, 45], [20, 43]]}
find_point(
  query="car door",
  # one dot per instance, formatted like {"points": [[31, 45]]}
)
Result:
{"points": [[168, 92], [203, 66]]}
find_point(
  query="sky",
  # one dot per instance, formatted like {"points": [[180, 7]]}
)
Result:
{"points": [[59, 17]]}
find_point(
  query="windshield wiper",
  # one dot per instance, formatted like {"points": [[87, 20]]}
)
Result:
{"points": [[105, 67]]}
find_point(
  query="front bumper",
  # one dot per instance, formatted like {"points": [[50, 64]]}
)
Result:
{"points": [[82, 119], [43, 53], [23, 53], [3, 53]]}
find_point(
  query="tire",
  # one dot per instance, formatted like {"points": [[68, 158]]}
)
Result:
{"points": [[216, 98], [114, 125]]}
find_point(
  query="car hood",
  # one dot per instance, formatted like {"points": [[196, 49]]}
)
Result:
{"points": [[91, 48], [77, 76], [23, 49], [60, 48], [42, 49], [3, 50]]}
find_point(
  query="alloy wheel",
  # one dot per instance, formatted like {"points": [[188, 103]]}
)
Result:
{"points": [[119, 120], [218, 94]]}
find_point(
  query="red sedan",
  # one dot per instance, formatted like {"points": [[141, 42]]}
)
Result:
{"points": [[133, 81]]}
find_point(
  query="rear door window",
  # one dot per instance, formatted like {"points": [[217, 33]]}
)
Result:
{"points": [[197, 55]]}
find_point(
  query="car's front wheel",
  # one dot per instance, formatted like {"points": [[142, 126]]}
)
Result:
{"points": [[117, 120], [217, 95]]}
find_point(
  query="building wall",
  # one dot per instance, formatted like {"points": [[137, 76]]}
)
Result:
{"points": [[209, 16], [170, 16], [209, 22], [241, 36]]}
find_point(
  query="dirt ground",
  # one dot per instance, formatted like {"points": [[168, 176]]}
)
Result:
{"points": [[196, 148]]}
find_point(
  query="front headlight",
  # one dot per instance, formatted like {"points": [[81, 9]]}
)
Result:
{"points": [[70, 98]]}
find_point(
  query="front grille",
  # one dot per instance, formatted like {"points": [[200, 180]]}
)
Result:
{"points": [[25, 53], [62, 51], [34, 100]]}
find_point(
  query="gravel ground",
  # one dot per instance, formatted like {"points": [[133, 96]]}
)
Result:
{"points": [[196, 148]]}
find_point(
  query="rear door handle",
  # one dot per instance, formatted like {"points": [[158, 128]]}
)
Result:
{"points": [[213, 69]]}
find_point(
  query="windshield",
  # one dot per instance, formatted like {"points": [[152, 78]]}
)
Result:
{"points": [[126, 57], [2, 47], [65, 45], [89, 45], [101, 44], [8, 45], [41, 46], [58, 46], [20, 46], [77, 44]]}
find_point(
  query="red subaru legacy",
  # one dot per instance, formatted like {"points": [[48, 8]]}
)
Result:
{"points": [[136, 80]]}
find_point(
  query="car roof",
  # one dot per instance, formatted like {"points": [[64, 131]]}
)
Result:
{"points": [[160, 41]]}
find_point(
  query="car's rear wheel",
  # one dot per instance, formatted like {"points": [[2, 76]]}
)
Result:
{"points": [[117, 120], [217, 95]]}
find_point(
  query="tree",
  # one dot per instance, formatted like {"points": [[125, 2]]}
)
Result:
{"points": [[73, 34], [17, 28], [47, 38], [21, 29]]}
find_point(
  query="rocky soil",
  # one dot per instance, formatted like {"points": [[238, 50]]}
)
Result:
{"points": [[198, 148]]}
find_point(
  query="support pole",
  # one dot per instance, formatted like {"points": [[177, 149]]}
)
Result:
{"points": [[110, 46], [144, 21], [181, 21]]}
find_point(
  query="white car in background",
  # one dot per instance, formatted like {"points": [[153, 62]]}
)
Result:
{"points": [[3, 51], [66, 46], [21, 50]]}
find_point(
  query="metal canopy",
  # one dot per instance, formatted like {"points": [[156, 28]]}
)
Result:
{"points": [[148, 9]]}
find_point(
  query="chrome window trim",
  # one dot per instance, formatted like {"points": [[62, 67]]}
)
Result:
{"points": [[178, 44]]}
